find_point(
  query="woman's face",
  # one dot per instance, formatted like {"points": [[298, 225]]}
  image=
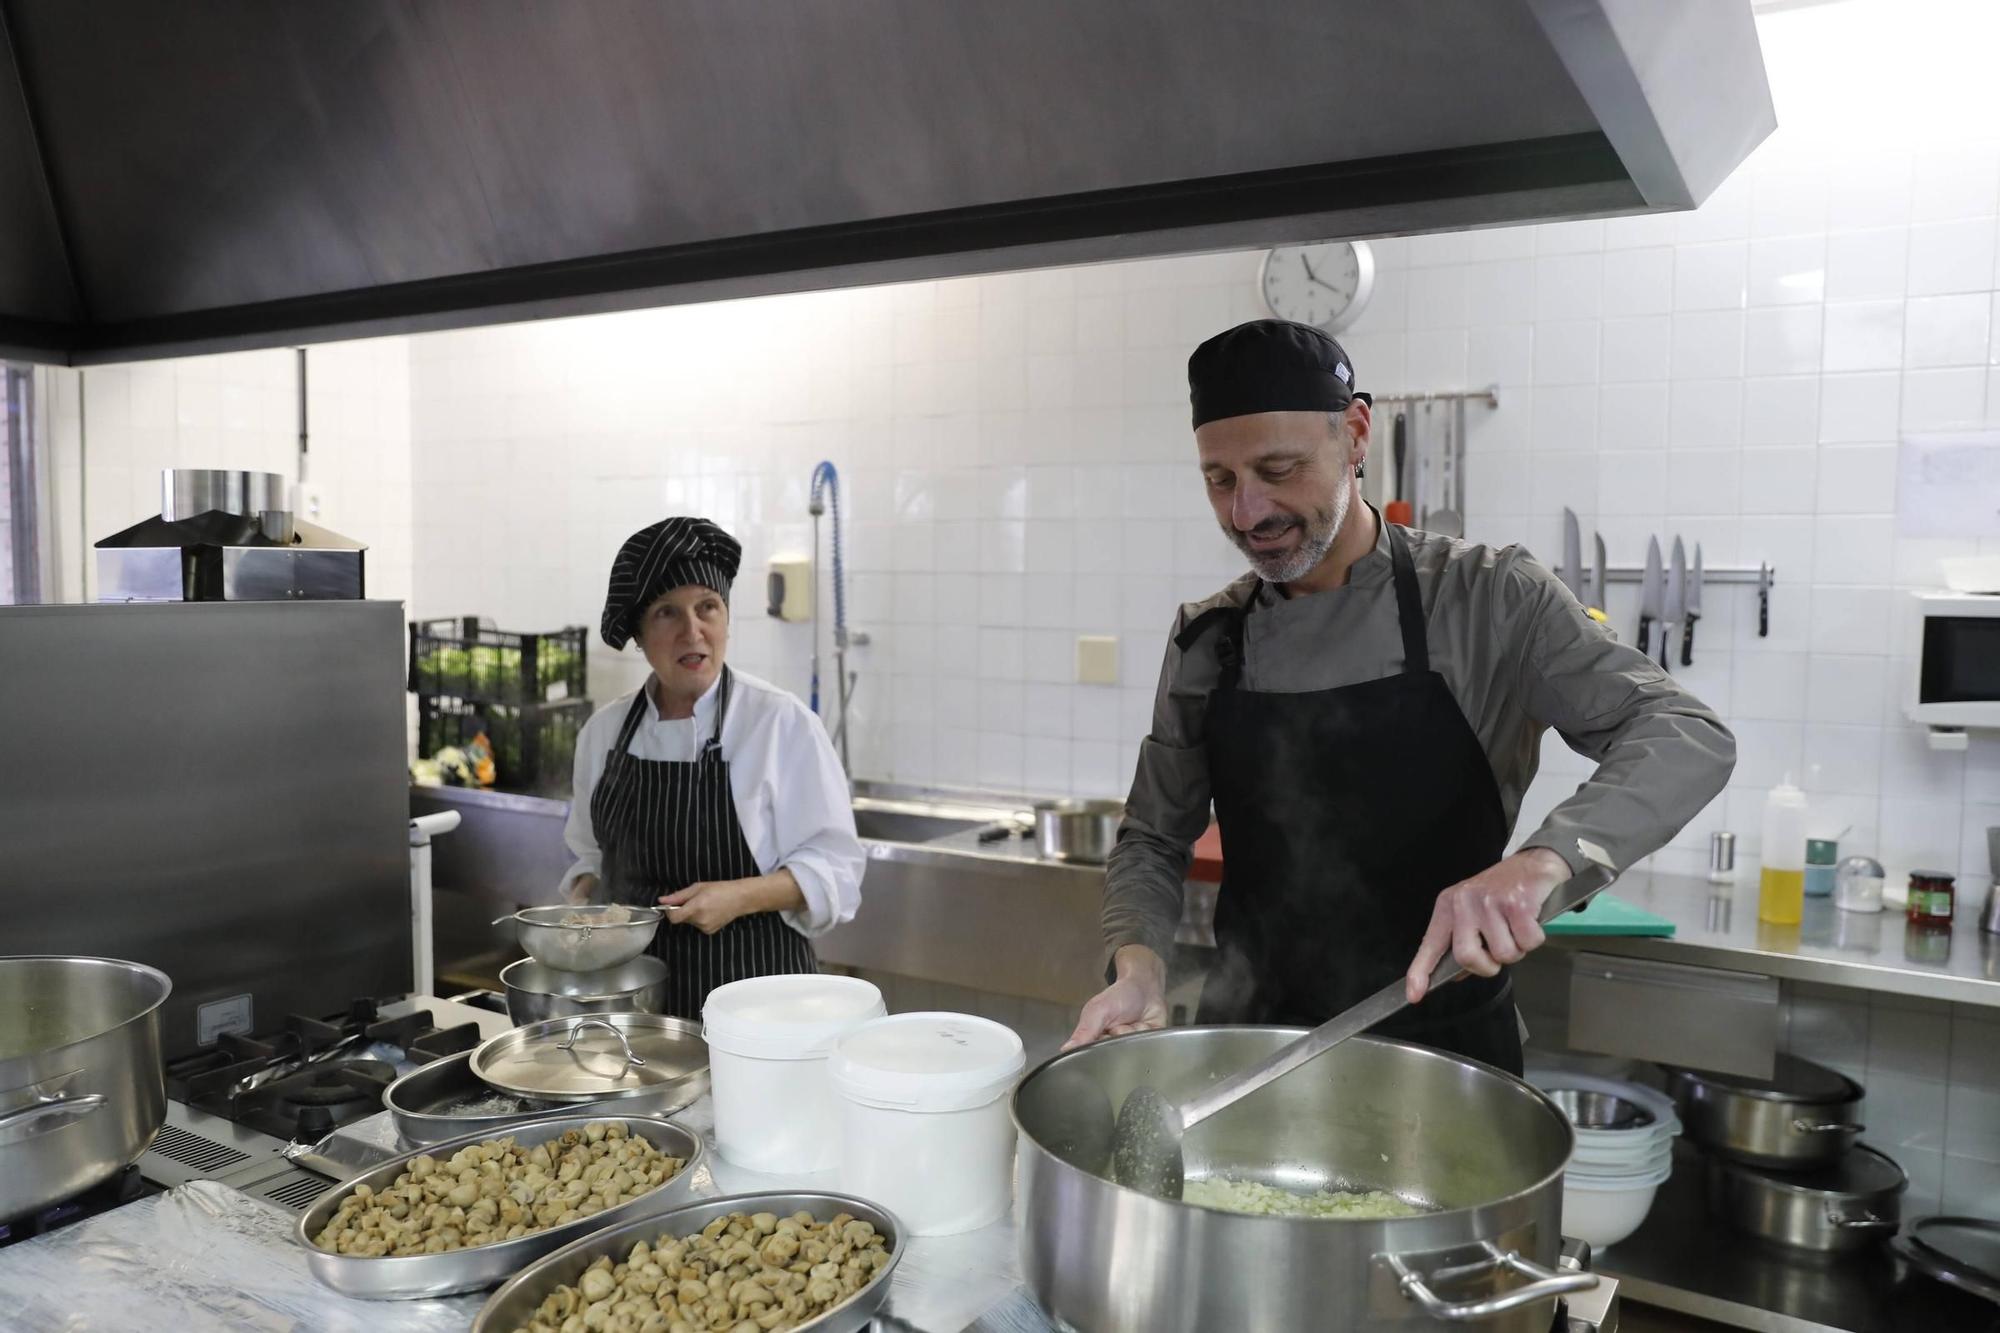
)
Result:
{"points": [[685, 634]]}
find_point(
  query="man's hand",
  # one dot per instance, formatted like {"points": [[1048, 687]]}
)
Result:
{"points": [[1489, 920], [579, 890], [708, 907], [1135, 1002]]}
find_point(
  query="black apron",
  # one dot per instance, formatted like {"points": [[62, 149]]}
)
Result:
{"points": [[1344, 814], [663, 826]]}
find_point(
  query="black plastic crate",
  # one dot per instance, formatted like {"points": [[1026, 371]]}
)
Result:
{"points": [[467, 658], [534, 745]]}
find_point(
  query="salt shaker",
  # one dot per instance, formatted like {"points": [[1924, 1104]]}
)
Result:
{"points": [[1857, 885]]}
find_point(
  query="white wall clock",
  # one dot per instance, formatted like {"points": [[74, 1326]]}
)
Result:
{"points": [[1323, 285]]}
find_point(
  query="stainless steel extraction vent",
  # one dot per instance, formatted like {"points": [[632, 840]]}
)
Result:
{"points": [[243, 173]]}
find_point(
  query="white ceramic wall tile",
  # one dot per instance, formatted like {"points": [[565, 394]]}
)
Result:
{"points": [[1638, 282], [1952, 257], [1787, 270], [1863, 335], [1944, 331]]}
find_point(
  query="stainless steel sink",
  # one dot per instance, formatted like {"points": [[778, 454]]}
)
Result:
{"points": [[918, 819]]}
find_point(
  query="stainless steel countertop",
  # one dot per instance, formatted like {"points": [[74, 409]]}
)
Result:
{"points": [[1717, 926]]}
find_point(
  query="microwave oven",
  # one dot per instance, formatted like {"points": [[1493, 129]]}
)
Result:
{"points": [[1957, 681]]}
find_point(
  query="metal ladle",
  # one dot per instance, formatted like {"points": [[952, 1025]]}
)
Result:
{"points": [[1146, 1142]]}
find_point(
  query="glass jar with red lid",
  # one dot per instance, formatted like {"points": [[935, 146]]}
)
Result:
{"points": [[1931, 895]]}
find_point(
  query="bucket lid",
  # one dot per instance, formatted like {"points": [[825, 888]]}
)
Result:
{"points": [[794, 1016], [927, 1062]]}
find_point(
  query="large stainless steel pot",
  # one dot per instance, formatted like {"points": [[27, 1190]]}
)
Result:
{"points": [[536, 991], [1081, 831], [1851, 1205], [82, 1089], [1483, 1150], [1804, 1115]]}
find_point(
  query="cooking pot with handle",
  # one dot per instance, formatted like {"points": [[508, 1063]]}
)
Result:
{"points": [[82, 1087]]}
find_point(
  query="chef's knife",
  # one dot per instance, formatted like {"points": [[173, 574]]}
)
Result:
{"points": [[1402, 437], [1595, 600], [1676, 599], [1693, 610], [1572, 568], [1651, 596]]}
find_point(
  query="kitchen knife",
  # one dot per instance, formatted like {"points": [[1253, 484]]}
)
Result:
{"points": [[1651, 596], [1693, 610], [1676, 599], [1572, 567], [1596, 600], [1402, 437]]}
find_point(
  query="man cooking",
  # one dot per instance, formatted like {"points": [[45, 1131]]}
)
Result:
{"points": [[1365, 710]]}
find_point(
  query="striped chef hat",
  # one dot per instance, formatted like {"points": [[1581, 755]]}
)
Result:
{"points": [[672, 553]]}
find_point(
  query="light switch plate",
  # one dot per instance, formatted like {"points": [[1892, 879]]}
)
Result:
{"points": [[1096, 659]]}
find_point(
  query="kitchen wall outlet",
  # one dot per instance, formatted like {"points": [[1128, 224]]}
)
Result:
{"points": [[1096, 659]]}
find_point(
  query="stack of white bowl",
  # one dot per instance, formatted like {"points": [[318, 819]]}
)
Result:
{"points": [[1624, 1152]]}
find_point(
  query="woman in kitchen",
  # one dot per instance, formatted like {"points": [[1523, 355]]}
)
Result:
{"points": [[707, 791]]}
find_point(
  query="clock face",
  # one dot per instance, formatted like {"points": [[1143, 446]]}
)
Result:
{"points": [[1323, 285]]}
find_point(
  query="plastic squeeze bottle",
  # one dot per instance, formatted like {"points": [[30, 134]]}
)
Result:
{"points": [[1781, 889]]}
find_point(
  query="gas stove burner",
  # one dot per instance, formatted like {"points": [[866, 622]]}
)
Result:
{"points": [[121, 1189], [312, 1101]]}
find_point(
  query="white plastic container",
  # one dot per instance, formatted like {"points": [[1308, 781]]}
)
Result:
{"points": [[1606, 1212], [924, 1128], [768, 1041]]}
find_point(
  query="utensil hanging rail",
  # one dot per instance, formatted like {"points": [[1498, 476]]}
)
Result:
{"points": [[1761, 575], [1490, 395]]}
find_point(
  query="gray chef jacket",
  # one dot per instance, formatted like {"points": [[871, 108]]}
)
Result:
{"points": [[1518, 653]]}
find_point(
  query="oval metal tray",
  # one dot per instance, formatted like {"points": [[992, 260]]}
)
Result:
{"points": [[406, 1276], [440, 1101], [515, 1304]]}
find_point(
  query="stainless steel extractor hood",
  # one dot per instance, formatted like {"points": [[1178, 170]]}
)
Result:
{"points": [[228, 536], [240, 173]]}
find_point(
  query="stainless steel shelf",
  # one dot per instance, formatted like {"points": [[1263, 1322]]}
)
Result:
{"points": [[1863, 951], [1683, 1259]]}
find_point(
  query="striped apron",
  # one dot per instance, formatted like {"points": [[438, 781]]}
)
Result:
{"points": [[663, 826]]}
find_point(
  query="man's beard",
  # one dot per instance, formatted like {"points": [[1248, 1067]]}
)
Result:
{"points": [[1289, 567]]}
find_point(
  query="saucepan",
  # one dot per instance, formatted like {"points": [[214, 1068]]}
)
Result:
{"points": [[1481, 1154], [1082, 831]]}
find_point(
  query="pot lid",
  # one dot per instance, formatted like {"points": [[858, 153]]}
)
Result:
{"points": [[1958, 1251], [1861, 1173], [1794, 1080], [592, 1058]]}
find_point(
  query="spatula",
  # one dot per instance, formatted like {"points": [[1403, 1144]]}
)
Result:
{"points": [[1146, 1143]]}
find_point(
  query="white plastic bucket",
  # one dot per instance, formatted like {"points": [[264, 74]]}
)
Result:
{"points": [[924, 1129], [768, 1040]]}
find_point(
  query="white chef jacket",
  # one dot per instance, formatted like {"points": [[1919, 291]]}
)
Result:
{"points": [[791, 796]]}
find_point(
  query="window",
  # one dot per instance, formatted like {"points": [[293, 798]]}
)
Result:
{"points": [[22, 516]]}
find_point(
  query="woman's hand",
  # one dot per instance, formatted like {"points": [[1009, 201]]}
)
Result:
{"points": [[710, 907]]}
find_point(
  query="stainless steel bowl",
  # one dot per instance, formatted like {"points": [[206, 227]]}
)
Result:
{"points": [[1082, 831], [536, 991], [586, 939], [407, 1276], [1482, 1151], [1598, 1110], [514, 1304]]}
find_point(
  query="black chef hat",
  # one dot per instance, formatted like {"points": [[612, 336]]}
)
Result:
{"points": [[1269, 365], [672, 553]]}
